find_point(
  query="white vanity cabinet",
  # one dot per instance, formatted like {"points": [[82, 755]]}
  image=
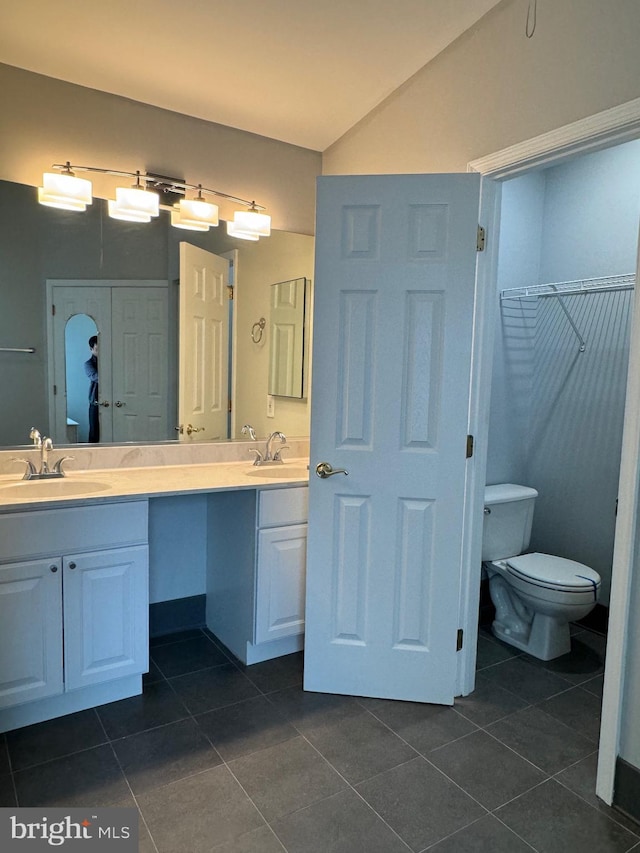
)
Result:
{"points": [[256, 571], [281, 564], [73, 609]]}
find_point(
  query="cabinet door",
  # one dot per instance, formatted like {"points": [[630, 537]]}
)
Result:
{"points": [[30, 631], [280, 583], [106, 615]]}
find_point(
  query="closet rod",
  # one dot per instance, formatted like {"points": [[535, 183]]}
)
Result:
{"points": [[571, 288], [17, 349]]}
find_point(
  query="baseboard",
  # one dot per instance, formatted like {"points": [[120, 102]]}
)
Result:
{"points": [[180, 614], [626, 789]]}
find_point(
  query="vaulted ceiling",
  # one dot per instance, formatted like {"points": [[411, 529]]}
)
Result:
{"points": [[301, 71]]}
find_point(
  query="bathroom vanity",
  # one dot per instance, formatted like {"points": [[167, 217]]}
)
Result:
{"points": [[74, 578]]}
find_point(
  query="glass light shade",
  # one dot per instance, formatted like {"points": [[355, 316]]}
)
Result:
{"points": [[197, 211], [233, 231], [62, 204], [135, 200], [65, 191], [252, 222], [127, 215], [189, 225]]}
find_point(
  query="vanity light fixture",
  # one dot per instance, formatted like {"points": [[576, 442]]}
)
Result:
{"points": [[234, 231], [140, 203], [188, 224], [252, 221], [135, 203], [63, 190], [197, 211]]}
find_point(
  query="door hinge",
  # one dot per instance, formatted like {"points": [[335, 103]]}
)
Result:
{"points": [[53, 310], [481, 239], [229, 406], [459, 639], [230, 291], [55, 390], [469, 446]]}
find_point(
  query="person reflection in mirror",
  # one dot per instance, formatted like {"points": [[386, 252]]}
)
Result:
{"points": [[91, 369]]}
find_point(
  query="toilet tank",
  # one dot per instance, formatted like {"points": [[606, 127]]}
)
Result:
{"points": [[508, 516]]}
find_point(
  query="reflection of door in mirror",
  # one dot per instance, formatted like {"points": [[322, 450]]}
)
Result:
{"points": [[79, 330], [287, 338], [203, 370], [131, 317]]}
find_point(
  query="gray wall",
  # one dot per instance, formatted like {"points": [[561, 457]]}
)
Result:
{"points": [[47, 121], [557, 414]]}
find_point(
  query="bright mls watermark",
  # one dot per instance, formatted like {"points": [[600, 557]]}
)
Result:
{"points": [[103, 830]]}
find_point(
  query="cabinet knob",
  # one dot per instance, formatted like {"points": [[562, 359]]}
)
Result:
{"points": [[72, 565], [53, 568]]}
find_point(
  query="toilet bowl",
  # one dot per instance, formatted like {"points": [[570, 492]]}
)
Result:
{"points": [[536, 596]]}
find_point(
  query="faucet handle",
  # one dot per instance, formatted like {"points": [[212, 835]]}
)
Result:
{"points": [[57, 468], [258, 460], [35, 436], [31, 468], [277, 455]]}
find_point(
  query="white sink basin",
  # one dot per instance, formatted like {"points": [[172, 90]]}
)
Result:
{"points": [[279, 472], [25, 489]]}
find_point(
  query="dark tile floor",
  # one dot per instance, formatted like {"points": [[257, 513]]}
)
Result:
{"points": [[221, 757]]}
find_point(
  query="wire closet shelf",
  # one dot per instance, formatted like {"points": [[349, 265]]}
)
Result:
{"points": [[571, 288]]}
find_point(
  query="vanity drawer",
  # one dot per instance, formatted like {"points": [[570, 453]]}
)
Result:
{"points": [[46, 532], [283, 506]]}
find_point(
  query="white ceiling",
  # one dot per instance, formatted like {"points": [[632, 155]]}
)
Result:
{"points": [[302, 71]]}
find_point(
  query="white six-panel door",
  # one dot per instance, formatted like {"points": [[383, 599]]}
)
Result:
{"points": [[393, 327], [203, 372]]}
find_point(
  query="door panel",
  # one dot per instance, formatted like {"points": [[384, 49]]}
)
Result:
{"points": [[203, 384], [393, 328], [140, 363]]}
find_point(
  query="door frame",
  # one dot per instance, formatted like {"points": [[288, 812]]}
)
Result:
{"points": [[602, 130], [52, 283]]}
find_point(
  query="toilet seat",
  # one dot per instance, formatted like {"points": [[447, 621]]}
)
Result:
{"points": [[553, 573]]}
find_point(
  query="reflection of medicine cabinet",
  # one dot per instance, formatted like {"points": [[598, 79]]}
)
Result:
{"points": [[289, 338]]}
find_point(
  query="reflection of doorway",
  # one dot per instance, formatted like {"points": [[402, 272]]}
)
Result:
{"points": [[77, 332], [203, 372], [132, 318]]}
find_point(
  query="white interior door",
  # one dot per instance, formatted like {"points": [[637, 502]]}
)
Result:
{"points": [[203, 371], [95, 301], [140, 363], [393, 330]]}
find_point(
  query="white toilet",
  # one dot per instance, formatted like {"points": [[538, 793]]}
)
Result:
{"points": [[536, 596]]}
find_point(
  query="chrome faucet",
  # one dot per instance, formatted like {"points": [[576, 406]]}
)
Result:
{"points": [[44, 444], [268, 457], [248, 429]]}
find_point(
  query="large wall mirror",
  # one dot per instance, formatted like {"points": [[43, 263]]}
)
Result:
{"points": [[67, 276]]}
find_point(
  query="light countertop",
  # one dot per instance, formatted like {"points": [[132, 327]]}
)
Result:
{"points": [[115, 484]]}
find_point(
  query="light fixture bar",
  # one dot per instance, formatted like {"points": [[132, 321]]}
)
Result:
{"points": [[160, 180]]}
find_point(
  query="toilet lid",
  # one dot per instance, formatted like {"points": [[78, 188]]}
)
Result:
{"points": [[553, 572]]}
